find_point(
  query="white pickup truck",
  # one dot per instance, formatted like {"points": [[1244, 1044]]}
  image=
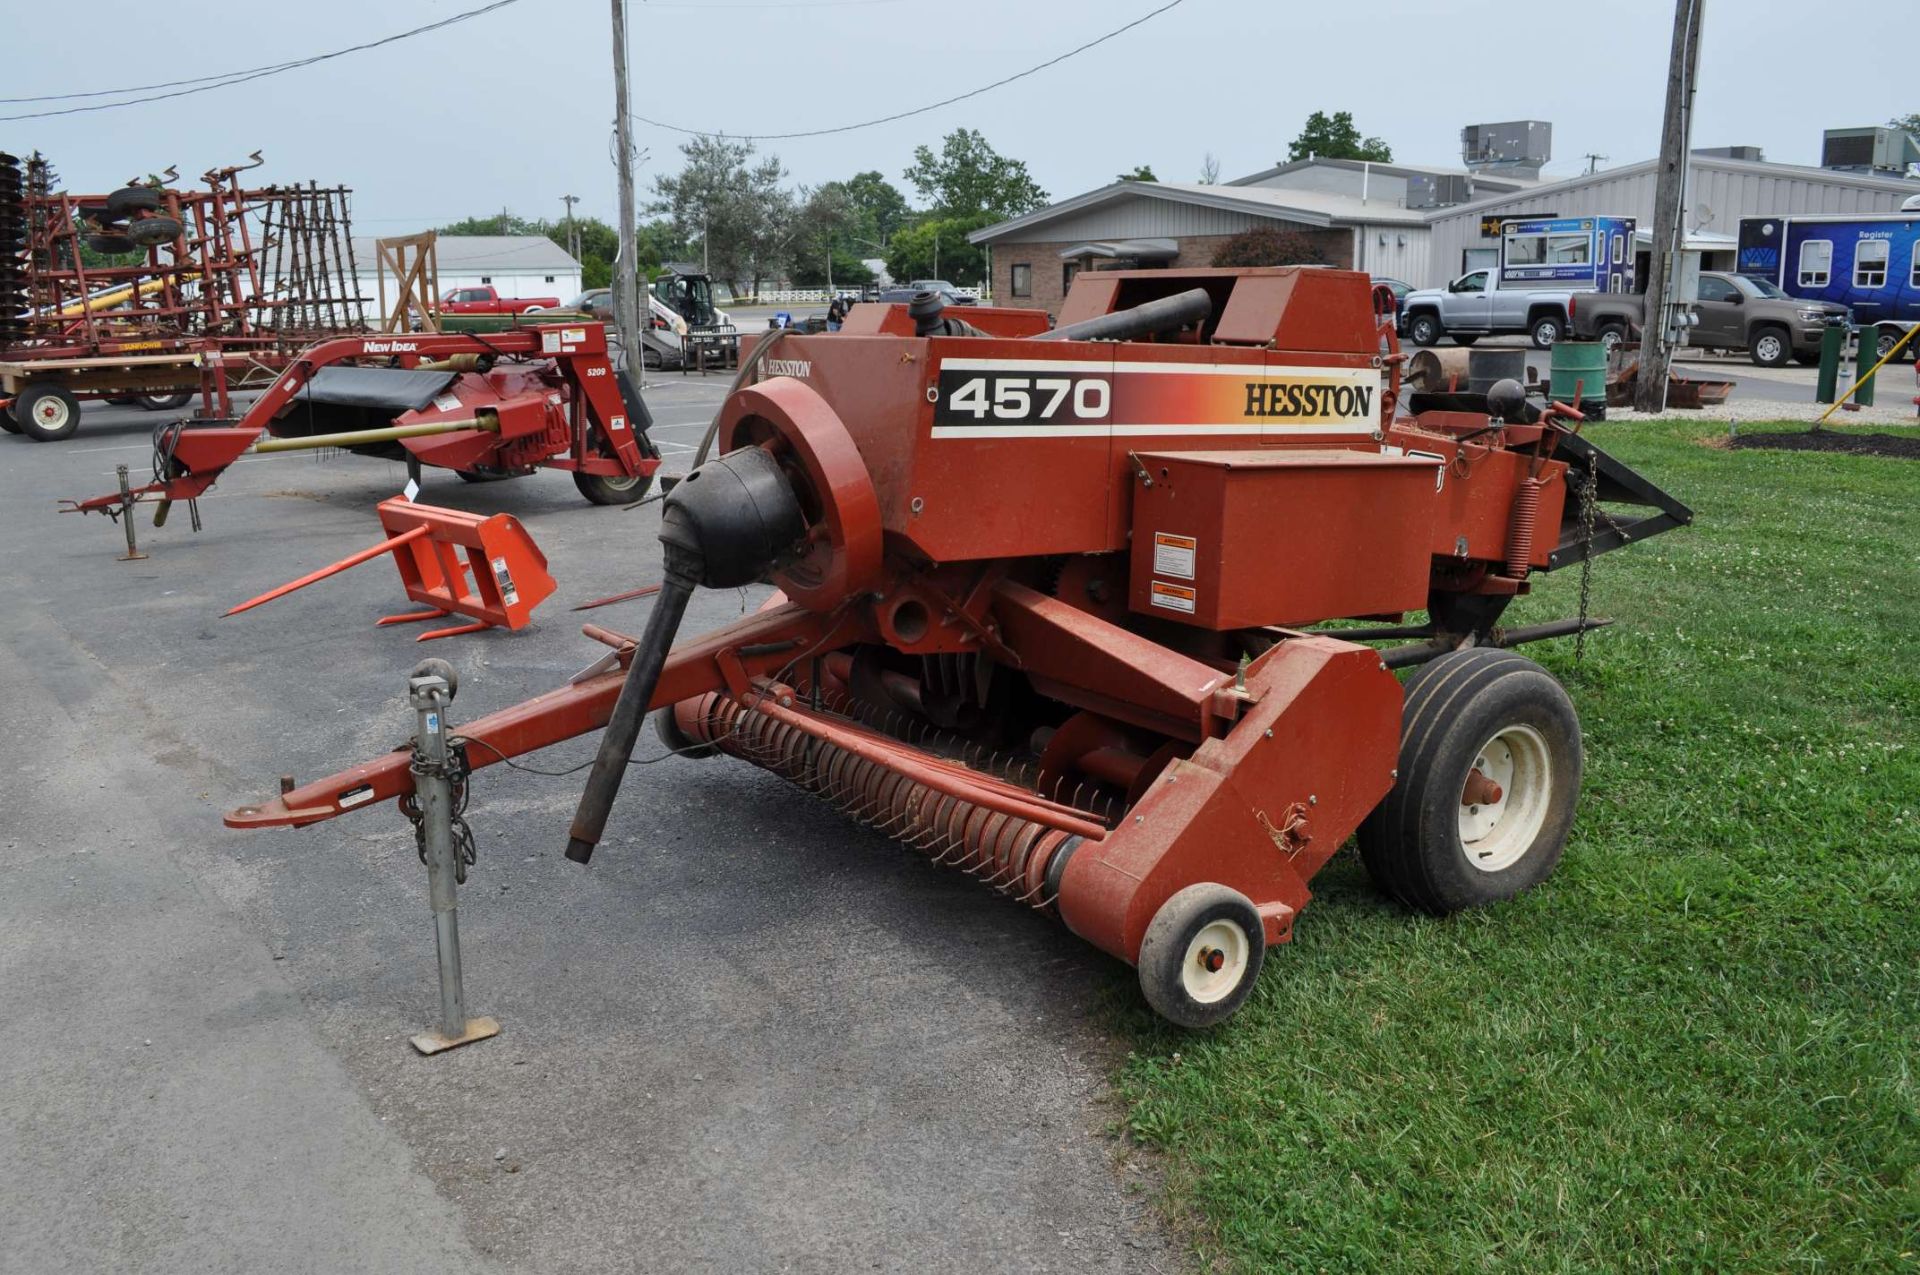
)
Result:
{"points": [[1473, 306]]}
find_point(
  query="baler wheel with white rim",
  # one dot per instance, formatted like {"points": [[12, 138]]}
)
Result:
{"points": [[1489, 773], [1201, 954]]}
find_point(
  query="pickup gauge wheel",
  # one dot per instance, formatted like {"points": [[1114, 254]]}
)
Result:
{"points": [[1545, 331], [132, 199], [1201, 954], [149, 231], [1425, 329], [1489, 773]]}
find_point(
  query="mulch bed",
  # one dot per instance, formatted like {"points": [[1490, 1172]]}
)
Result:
{"points": [[1899, 446]]}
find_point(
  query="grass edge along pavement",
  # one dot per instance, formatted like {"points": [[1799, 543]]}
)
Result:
{"points": [[1695, 1046]]}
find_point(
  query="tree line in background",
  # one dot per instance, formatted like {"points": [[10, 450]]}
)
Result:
{"points": [[728, 208]]}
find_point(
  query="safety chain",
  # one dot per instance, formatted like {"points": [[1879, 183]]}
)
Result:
{"points": [[1589, 505], [465, 854]]}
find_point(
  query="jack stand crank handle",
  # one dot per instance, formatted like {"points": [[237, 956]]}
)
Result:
{"points": [[623, 728], [429, 694]]}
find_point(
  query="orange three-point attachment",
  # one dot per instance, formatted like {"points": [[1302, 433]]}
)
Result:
{"points": [[485, 568]]}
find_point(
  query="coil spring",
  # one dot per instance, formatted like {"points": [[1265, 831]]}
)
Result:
{"points": [[1003, 851], [1526, 513]]}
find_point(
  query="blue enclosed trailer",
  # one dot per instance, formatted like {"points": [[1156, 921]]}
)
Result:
{"points": [[1868, 262], [1580, 254]]}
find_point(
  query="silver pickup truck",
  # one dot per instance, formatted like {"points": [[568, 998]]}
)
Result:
{"points": [[1472, 307]]}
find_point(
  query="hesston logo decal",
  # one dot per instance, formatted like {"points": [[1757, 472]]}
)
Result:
{"points": [[1291, 399], [801, 368]]}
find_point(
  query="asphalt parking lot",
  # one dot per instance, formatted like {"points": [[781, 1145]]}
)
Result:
{"points": [[750, 1037]]}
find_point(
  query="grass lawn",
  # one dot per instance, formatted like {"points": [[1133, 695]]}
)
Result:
{"points": [[1693, 1048]]}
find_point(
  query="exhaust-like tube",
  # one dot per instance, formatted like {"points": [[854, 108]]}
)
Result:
{"points": [[1176, 311]]}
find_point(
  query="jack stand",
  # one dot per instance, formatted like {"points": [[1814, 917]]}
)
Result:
{"points": [[429, 693], [133, 553]]}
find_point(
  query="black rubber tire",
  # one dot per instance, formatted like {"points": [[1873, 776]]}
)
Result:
{"points": [[603, 489], [483, 476], [1771, 347], [1544, 330], [112, 245], [1611, 335], [7, 422], [131, 199], [150, 232], [1411, 843], [1464, 339], [61, 405], [1886, 339], [1810, 358], [1163, 953], [1425, 329], [165, 402]]}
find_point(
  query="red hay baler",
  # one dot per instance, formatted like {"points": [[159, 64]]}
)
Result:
{"points": [[1041, 606]]}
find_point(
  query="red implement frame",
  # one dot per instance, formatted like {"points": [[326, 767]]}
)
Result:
{"points": [[558, 402], [455, 563]]}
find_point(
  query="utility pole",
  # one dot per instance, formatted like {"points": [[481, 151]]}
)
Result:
{"points": [[1593, 162], [573, 242], [1664, 308], [626, 299]]}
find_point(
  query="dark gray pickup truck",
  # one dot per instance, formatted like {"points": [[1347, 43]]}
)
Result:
{"points": [[1734, 312]]}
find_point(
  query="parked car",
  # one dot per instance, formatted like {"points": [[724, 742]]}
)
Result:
{"points": [[954, 296], [909, 293], [597, 302], [486, 300], [1400, 288], [1734, 312], [1473, 306]]}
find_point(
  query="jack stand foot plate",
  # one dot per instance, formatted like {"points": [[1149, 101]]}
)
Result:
{"points": [[433, 1042]]}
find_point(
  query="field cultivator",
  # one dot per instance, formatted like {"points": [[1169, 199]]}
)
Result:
{"points": [[1041, 606], [486, 407], [156, 291]]}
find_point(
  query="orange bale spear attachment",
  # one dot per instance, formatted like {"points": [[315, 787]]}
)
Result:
{"points": [[488, 569]]}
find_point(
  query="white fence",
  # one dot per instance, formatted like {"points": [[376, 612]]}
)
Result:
{"points": [[820, 296]]}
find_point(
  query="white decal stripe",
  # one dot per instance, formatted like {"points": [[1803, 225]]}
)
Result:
{"points": [[1135, 431], [1365, 375]]}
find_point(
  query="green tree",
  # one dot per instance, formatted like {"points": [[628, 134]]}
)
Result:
{"points": [[1335, 137], [879, 208], [1910, 123], [1269, 246], [731, 206], [969, 177], [1210, 169], [822, 231], [1144, 173], [937, 248]]}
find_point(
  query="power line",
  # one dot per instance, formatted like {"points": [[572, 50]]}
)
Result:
{"points": [[931, 106], [237, 77]]}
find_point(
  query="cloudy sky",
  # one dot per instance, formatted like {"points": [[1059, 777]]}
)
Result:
{"points": [[514, 108]]}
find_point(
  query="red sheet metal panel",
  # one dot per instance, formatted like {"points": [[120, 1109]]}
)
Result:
{"points": [[1236, 539]]}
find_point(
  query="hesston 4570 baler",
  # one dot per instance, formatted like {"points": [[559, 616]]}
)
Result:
{"points": [[494, 406], [1039, 610]]}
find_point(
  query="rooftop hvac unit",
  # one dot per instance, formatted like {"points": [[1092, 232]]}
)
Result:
{"points": [[1869, 150], [1517, 145], [1438, 190], [1733, 152]]}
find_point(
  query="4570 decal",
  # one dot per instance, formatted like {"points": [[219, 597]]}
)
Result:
{"points": [[1013, 398]]}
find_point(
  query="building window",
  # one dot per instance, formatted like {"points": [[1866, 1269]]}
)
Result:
{"points": [[549, 278], [1870, 263], [1913, 272], [1067, 271], [1022, 279], [1816, 263], [486, 278]]}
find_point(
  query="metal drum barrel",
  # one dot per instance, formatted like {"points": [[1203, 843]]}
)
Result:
{"points": [[1580, 366]]}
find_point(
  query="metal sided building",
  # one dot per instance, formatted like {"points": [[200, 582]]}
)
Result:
{"points": [[1722, 189]]}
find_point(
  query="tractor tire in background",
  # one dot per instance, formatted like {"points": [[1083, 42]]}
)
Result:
{"points": [[164, 402], [1489, 773], [1201, 955], [47, 413], [150, 232], [604, 489], [130, 199], [7, 422]]}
